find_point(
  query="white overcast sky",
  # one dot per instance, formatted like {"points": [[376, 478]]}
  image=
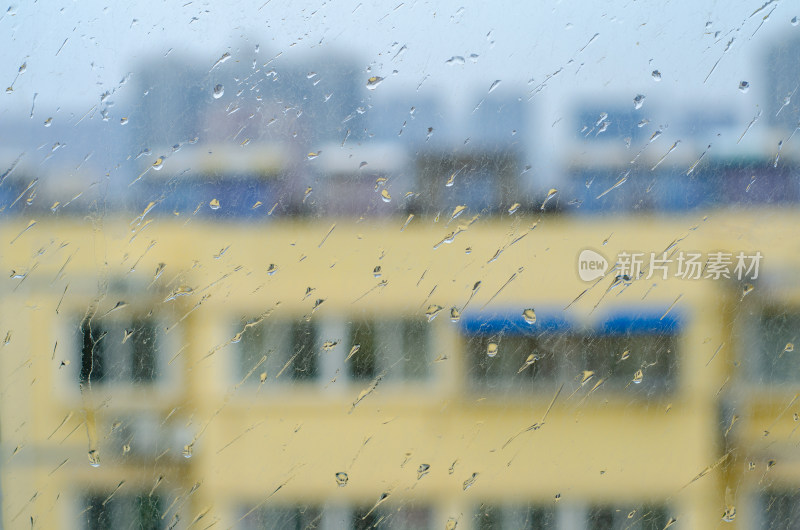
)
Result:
{"points": [[76, 50], [527, 39]]}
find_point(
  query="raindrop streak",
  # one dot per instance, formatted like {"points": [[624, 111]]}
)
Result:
{"points": [[514, 207], [410, 217], [225, 56], [494, 86], [457, 211], [353, 351], [373, 82], [550, 195], [423, 470], [470, 481], [432, 311], [616, 185], [532, 358], [671, 149], [341, 479], [749, 126]]}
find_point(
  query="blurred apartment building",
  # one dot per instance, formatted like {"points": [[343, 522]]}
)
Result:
{"points": [[355, 317]]}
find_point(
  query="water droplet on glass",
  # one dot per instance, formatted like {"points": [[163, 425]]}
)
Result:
{"points": [[423, 470], [751, 466], [377, 271], [473, 57], [656, 75], [48, 122], [529, 315], [470, 481], [183, 290], [585, 376], [638, 376], [187, 450], [455, 314], [794, 21], [385, 196], [744, 86], [491, 349], [730, 514], [341, 479], [94, 458], [373, 82], [514, 207], [312, 155], [126, 449], [638, 101], [631, 514], [329, 345], [318, 302], [158, 164], [214, 204], [123, 121], [219, 90], [550, 195], [451, 524], [458, 210], [353, 351], [456, 59], [625, 355], [494, 86], [432, 311], [747, 289], [789, 347]]}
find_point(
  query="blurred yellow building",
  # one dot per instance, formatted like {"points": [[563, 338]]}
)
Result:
{"points": [[184, 417], [174, 370]]}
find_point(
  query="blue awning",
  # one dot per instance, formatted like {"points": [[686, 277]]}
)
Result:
{"points": [[618, 322]]}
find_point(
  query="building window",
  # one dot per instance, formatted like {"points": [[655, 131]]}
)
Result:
{"points": [[780, 509], [283, 350], [407, 517], [284, 517], [110, 511], [776, 335], [492, 517], [117, 351], [631, 353], [632, 517], [397, 349]]}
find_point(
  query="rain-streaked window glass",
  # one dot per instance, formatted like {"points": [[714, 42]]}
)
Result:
{"points": [[272, 264]]}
